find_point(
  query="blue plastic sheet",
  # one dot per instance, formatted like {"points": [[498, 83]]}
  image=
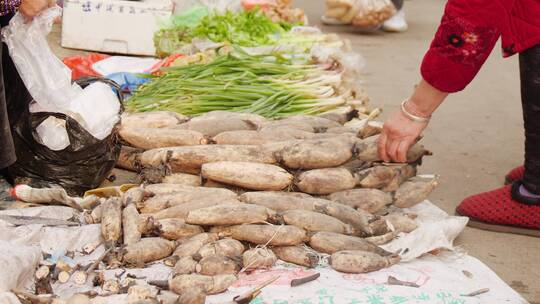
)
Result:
{"points": [[128, 82]]}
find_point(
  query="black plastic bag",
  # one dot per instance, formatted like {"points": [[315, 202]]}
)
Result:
{"points": [[81, 166]]}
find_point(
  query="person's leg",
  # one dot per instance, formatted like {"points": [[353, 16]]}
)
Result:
{"points": [[516, 208], [7, 150], [529, 64], [16, 94], [396, 23]]}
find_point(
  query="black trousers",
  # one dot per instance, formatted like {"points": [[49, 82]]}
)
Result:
{"points": [[7, 151], [529, 66], [14, 99]]}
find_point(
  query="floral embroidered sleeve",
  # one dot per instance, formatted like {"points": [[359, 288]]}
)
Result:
{"points": [[8, 6], [468, 32]]}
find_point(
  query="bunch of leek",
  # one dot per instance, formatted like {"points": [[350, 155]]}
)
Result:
{"points": [[269, 85]]}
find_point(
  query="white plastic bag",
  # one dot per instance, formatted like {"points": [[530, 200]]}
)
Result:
{"points": [[53, 134], [116, 64], [52, 131], [47, 79], [96, 96]]}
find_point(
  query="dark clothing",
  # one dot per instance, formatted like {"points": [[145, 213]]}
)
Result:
{"points": [[14, 99], [529, 65], [4, 20], [7, 151], [398, 4]]}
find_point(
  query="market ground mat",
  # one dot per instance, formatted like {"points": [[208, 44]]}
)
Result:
{"points": [[435, 270]]}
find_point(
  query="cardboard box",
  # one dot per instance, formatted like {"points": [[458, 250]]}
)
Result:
{"points": [[113, 26]]}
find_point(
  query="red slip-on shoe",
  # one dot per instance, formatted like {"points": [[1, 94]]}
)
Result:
{"points": [[514, 175], [497, 211]]}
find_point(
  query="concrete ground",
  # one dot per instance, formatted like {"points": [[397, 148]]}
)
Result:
{"points": [[476, 135]]}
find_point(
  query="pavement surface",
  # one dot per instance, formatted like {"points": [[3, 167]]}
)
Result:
{"points": [[476, 135]]}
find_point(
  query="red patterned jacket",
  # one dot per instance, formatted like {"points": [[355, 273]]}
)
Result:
{"points": [[467, 34]]}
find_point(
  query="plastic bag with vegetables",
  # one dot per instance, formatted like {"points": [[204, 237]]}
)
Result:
{"points": [[340, 11], [373, 12], [360, 13]]}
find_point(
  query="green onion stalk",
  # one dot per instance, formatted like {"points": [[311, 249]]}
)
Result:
{"points": [[269, 85]]}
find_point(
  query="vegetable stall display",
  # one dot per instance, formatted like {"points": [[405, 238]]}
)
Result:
{"points": [[269, 85], [245, 157], [199, 28], [298, 214], [243, 28], [211, 211]]}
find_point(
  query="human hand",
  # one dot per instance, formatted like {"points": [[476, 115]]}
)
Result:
{"points": [[401, 131], [32, 8], [398, 135]]}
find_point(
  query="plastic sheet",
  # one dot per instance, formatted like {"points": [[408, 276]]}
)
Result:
{"points": [[55, 212], [117, 64], [128, 82], [81, 66], [165, 62], [18, 263], [440, 276]]}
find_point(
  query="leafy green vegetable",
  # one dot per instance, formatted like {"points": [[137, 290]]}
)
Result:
{"points": [[249, 28], [245, 28]]}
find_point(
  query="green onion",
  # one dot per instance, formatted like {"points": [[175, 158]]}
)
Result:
{"points": [[269, 85]]}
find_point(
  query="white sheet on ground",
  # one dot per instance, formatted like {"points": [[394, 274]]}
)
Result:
{"points": [[56, 212], [441, 277]]}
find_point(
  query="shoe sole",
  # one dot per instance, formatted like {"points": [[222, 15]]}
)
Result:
{"points": [[501, 228]]}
